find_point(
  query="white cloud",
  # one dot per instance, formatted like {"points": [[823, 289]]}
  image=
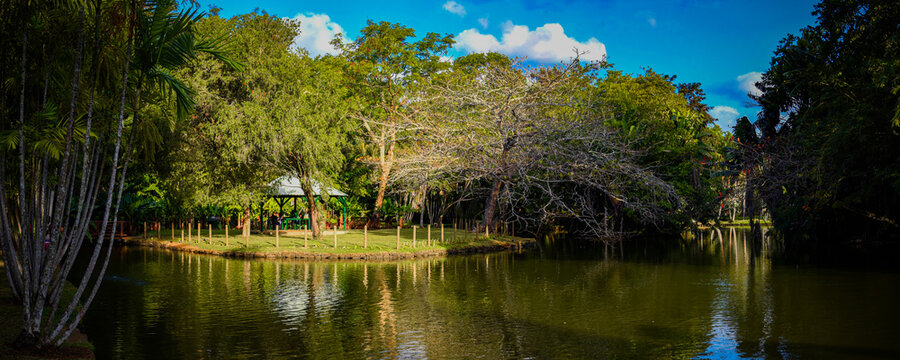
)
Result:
{"points": [[483, 22], [725, 116], [747, 83], [316, 33], [651, 21], [455, 7], [546, 43]]}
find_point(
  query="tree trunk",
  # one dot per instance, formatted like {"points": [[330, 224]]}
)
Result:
{"points": [[245, 229], [313, 211], [423, 205], [490, 207], [385, 162]]}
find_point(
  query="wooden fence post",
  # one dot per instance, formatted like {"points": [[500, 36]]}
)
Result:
{"points": [[414, 235], [334, 231], [398, 237], [429, 234], [226, 234], [305, 242], [442, 233], [365, 236], [277, 235], [158, 230], [199, 239], [145, 230], [210, 234]]}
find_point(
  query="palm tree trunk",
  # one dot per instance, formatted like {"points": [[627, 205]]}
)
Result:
{"points": [[28, 334], [61, 327]]}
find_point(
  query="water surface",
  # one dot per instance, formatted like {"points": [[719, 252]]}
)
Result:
{"points": [[710, 297]]}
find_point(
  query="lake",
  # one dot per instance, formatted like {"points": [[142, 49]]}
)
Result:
{"points": [[714, 295]]}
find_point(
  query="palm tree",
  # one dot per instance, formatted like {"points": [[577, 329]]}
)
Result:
{"points": [[39, 240]]}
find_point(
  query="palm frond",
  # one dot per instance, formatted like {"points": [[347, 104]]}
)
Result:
{"points": [[184, 96]]}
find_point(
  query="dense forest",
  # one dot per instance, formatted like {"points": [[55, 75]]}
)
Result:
{"points": [[155, 111]]}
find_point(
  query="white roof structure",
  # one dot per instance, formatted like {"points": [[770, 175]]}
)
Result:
{"points": [[290, 186]]}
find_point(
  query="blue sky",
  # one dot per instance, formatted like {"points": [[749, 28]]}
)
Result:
{"points": [[724, 45]]}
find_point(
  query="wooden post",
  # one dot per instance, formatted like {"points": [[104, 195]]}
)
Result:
{"points": [[414, 235], [145, 230], [305, 242], [173, 231], [226, 234], [485, 231], [365, 236], [454, 231], [210, 234], [190, 238], [398, 237], [334, 232], [277, 235], [429, 234], [442, 233], [182, 234], [158, 230], [199, 239]]}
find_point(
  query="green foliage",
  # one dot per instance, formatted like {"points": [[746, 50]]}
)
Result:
{"points": [[831, 94], [669, 123], [328, 119]]}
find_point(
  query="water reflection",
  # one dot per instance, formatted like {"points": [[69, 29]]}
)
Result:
{"points": [[710, 295]]}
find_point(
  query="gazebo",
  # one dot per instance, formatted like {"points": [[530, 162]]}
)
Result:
{"points": [[288, 187]]}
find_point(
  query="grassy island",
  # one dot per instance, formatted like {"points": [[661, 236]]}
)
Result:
{"points": [[351, 244]]}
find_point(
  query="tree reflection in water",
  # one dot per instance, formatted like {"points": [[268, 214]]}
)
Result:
{"points": [[711, 295]]}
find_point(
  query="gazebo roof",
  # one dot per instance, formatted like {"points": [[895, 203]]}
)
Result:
{"points": [[290, 186]]}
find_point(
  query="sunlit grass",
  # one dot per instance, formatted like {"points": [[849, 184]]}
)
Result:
{"points": [[348, 242]]}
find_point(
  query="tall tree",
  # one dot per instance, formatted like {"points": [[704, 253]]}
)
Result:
{"points": [[308, 118], [385, 65], [829, 124]]}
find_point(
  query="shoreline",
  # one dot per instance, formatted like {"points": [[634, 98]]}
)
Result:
{"points": [[76, 346], [495, 246]]}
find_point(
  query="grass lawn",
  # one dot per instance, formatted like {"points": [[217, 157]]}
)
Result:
{"points": [[348, 242], [744, 222], [76, 347]]}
